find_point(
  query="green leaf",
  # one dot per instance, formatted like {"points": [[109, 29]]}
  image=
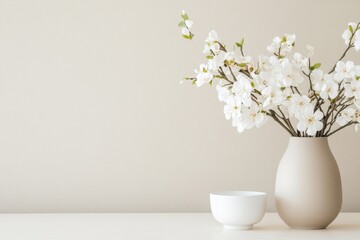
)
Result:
{"points": [[253, 84], [186, 36], [357, 77], [209, 57], [242, 65], [315, 66], [181, 24], [283, 39], [211, 82], [218, 76], [351, 29], [240, 44], [193, 82], [184, 16]]}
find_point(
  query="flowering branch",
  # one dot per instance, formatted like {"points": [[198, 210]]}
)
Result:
{"points": [[346, 125], [254, 91], [350, 44]]}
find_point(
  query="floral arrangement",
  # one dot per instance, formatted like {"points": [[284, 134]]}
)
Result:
{"points": [[271, 87]]}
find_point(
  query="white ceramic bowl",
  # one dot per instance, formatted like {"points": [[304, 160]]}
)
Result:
{"points": [[238, 209]]}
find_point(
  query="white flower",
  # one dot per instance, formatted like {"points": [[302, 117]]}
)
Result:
{"points": [[317, 79], [344, 70], [212, 37], [298, 104], [357, 41], [286, 43], [245, 63], [286, 93], [223, 93], [252, 68], [352, 89], [300, 62], [278, 69], [212, 66], [309, 121], [203, 75], [245, 59], [290, 76], [357, 70], [257, 83], [357, 103], [240, 125], [329, 88], [211, 43], [253, 117], [273, 95], [242, 89], [347, 33], [346, 36], [310, 51], [346, 116], [229, 58], [232, 109], [185, 31], [189, 23], [290, 41], [264, 63], [317, 75], [209, 48], [275, 45], [216, 62]]}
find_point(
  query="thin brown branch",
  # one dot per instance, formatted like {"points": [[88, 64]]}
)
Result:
{"points": [[347, 49], [272, 114], [346, 125]]}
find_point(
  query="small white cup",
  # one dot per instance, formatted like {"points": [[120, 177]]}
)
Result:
{"points": [[238, 209]]}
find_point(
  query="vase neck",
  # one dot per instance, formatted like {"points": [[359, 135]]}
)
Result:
{"points": [[310, 143]]}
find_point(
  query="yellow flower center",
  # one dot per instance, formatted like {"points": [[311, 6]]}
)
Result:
{"points": [[310, 120]]}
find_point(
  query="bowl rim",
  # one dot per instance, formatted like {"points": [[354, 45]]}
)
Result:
{"points": [[238, 193]]}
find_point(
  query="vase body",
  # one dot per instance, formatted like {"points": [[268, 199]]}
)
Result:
{"points": [[308, 192]]}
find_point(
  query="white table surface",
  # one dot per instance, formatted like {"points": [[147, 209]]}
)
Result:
{"points": [[158, 226]]}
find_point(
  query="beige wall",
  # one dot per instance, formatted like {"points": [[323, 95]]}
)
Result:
{"points": [[92, 116]]}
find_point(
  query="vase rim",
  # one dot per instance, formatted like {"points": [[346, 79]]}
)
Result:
{"points": [[310, 140], [309, 137]]}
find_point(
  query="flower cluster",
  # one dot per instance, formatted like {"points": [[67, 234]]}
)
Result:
{"points": [[254, 90], [185, 25], [352, 34]]}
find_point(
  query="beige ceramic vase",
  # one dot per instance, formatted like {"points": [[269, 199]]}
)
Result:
{"points": [[308, 193]]}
